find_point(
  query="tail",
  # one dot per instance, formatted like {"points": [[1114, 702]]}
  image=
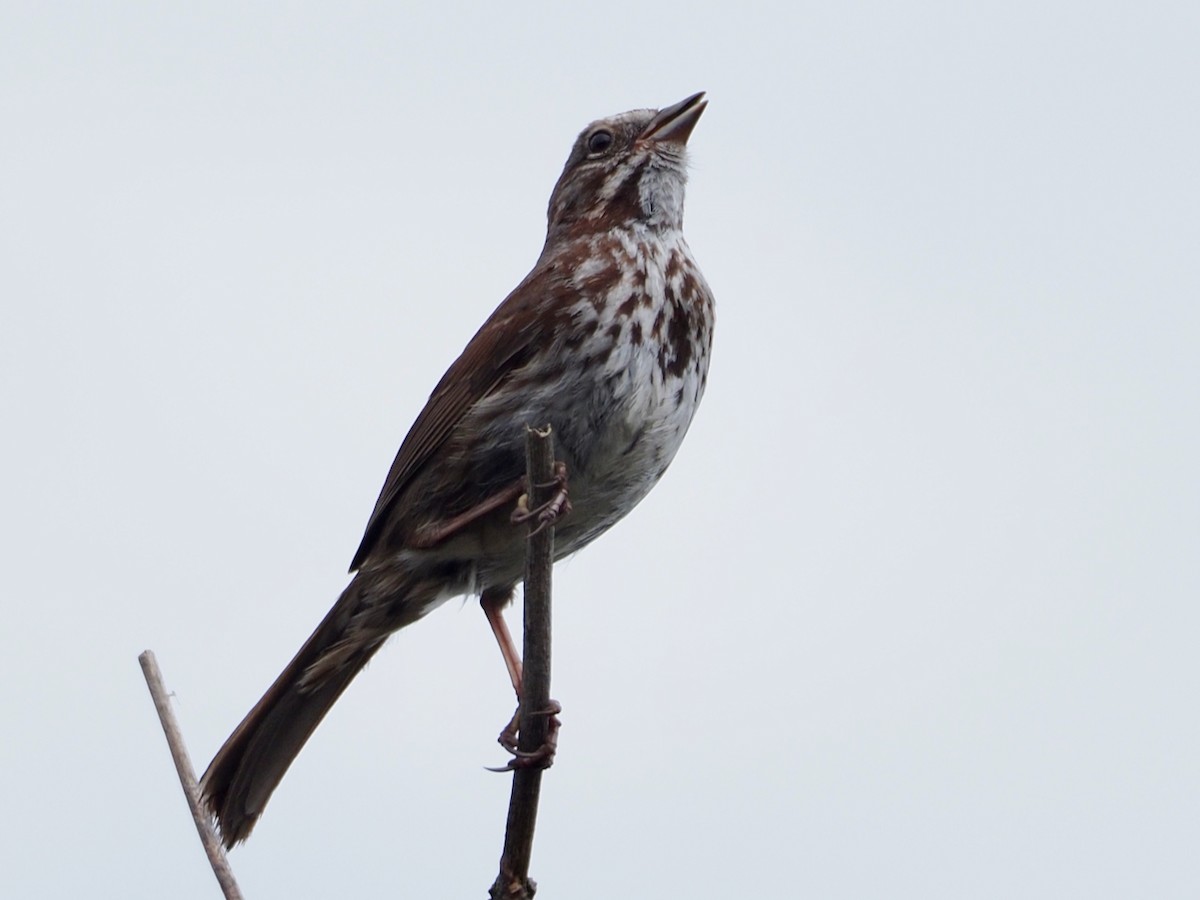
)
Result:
{"points": [[252, 762]]}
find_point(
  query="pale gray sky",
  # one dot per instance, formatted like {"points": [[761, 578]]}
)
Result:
{"points": [[914, 613]]}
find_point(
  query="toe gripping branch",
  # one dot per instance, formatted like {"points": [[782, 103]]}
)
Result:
{"points": [[549, 511], [540, 758]]}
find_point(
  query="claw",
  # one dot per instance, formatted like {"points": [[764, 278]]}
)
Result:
{"points": [[552, 510], [543, 756]]}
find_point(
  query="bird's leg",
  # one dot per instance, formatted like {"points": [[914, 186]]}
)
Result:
{"points": [[434, 533], [493, 602], [549, 512]]}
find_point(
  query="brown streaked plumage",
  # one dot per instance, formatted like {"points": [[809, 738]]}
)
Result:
{"points": [[607, 340]]}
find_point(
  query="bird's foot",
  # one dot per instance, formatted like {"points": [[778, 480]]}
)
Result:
{"points": [[553, 509], [543, 756]]}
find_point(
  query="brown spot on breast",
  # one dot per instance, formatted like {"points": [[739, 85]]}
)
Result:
{"points": [[674, 265], [688, 286], [628, 305], [679, 339], [685, 326], [635, 333]]}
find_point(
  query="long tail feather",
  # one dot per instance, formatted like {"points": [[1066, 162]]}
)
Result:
{"points": [[252, 762]]}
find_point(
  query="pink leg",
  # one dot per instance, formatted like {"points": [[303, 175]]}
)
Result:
{"points": [[493, 602], [434, 533]]}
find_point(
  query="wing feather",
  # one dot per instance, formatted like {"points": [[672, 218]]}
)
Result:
{"points": [[503, 344]]}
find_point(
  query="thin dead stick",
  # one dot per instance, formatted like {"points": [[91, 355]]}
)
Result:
{"points": [[187, 778], [513, 882]]}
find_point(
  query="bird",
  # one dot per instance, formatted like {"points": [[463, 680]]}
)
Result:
{"points": [[608, 340]]}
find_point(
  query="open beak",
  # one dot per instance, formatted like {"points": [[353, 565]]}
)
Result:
{"points": [[674, 124]]}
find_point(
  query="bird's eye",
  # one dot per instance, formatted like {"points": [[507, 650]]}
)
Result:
{"points": [[599, 141]]}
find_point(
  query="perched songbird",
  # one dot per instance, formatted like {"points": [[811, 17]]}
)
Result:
{"points": [[607, 340]]}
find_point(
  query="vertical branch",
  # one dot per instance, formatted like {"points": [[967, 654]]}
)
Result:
{"points": [[187, 778], [513, 882]]}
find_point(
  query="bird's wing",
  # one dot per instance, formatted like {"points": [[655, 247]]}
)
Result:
{"points": [[504, 343]]}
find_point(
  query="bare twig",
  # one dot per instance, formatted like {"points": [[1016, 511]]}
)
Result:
{"points": [[513, 882], [187, 778]]}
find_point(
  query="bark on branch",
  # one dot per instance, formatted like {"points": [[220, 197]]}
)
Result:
{"points": [[187, 778], [513, 882]]}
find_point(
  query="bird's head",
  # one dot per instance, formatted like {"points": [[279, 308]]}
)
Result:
{"points": [[629, 168]]}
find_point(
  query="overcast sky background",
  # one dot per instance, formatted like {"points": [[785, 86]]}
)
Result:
{"points": [[914, 613]]}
